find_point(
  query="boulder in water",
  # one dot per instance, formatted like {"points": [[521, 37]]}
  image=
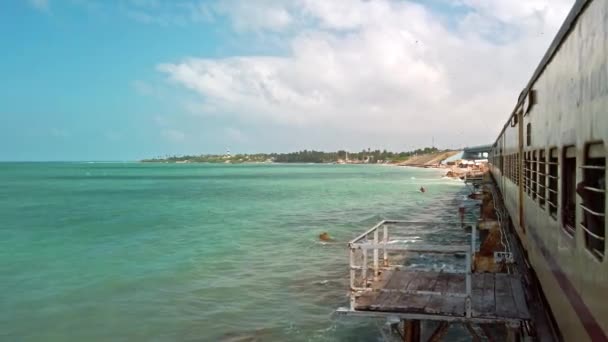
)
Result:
{"points": [[324, 237]]}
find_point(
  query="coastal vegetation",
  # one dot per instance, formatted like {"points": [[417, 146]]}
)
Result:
{"points": [[304, 156]]}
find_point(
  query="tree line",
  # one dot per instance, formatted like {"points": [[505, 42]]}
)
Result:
{"points": [[304, 156]]}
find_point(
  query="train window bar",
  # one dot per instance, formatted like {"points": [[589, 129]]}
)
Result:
{"points": [[595, 213], [598, 254], [593, 167], [592, 192], [590, 188], [593, 235], [569, 229], [552, 181]]}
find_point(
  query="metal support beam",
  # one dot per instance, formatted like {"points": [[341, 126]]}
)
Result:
{"points": [[512, 332], [439, 332], [474, 336], [411, 330]]}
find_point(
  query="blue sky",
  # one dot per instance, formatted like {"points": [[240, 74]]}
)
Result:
{"points": [[124, 80]]}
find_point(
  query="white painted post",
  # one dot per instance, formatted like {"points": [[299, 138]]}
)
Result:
{"points": [[473, 239], [364, 270], [352, 277], [376, 255], [385, 239], [468, 285]]}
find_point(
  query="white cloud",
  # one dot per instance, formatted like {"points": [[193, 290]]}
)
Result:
{"points": [[255, 15], [41, 5], [389, 72], [167, 13]]}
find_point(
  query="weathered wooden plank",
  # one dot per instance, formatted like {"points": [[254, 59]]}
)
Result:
{"points": [[483, 303], [406, 302], [435, 303], [456, 283], [477, 293], [519, 297], [412, 303], [400, 280], [384, 278], [423, 281], [505, 304], [364, 301], [454, 305], [386, 301]]}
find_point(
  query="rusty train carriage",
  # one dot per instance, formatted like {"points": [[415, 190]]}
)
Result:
{"points": [[549, 162]]}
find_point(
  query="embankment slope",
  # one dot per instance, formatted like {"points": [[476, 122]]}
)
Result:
{"points": [[431, 159]]}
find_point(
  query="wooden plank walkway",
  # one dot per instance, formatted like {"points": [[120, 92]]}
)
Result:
{"points": [[495, 296]]}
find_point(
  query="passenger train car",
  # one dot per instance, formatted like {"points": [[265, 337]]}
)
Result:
{"points": [[549, 162]]}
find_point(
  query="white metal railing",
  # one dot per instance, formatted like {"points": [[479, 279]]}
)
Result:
{"points": [[370, 240]]}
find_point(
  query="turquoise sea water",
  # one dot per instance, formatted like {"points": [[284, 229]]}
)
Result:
{"points": [[172, 252]]}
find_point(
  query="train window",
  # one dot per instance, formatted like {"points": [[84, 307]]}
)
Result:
{"points": [[501, 161], [527, 172], [569, 189], [513, 168], [508, 168], [592, 191], [553, 179], [528, 134], [542, 172], [516, 168], [533, 170]]}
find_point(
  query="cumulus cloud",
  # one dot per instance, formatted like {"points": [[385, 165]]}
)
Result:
{"points": [[391, 72]]}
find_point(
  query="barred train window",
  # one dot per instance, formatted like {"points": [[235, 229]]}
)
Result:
{"points": [[514, 165], [533, 166], [513, 168], [593, 193], [542, 171], [527, 172], [569, 189], [509, 166], [553, 179], [517, 168]]}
